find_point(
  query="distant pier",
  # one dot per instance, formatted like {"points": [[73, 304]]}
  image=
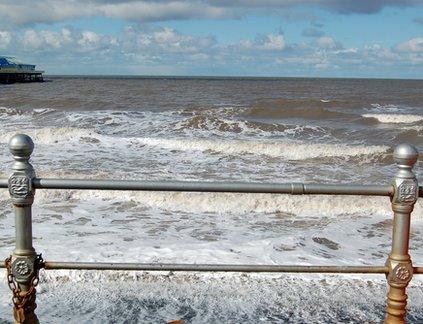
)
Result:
{"points": [[12, 71], [8, 77]]}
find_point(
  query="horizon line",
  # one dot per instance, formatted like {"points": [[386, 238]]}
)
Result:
{"points": [[160, 76]]}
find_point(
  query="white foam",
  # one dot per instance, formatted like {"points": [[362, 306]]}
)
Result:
{"points": [[236, 204], [42, 111], [51, 135], [15, 111], [395, 118], [9, 111], [384, 108], [220, 298], [284, 149]]}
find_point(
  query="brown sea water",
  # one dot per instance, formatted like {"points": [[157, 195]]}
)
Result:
{"points": [[213, 129]]}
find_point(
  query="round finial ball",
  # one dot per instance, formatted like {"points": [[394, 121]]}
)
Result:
{"points": [[21, 145], [406, 154]]}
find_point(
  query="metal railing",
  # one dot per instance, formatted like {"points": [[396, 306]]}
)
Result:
{"points": [[24, 264]]}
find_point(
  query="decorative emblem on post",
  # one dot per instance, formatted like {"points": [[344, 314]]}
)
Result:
{"points": [[402, 273], [22, 269], [407, 192], [19, 185]]}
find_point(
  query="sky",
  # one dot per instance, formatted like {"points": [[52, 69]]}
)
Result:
{"points": [[278, 38]]}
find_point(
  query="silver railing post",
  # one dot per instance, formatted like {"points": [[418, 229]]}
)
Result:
{"points": [[399, 261], [24, 264]]}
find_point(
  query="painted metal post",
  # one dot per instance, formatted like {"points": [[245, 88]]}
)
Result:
{"points": [[24, 264], [399, 261]]}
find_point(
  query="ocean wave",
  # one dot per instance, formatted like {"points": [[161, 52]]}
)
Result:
{"points": [[58, 135], [216, 125], [384, 107], [232, 203], [395, 118], [284, 149], [10, 111], [14, 111], [210, 123], [314, 111]]}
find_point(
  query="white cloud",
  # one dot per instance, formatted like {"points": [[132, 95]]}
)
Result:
{"points": [[148, 46], [165, 41], [63, 42], [268, 42], [52, 39], [414, 45], [31, 40], [5, 39], [326, 42], [67, 35], [273, 42], [89, 40]]}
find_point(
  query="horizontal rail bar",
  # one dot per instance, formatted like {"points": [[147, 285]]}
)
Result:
{"points": [[213, 267], [197, 186], [4, 183], [238, 187], [216, 267]]}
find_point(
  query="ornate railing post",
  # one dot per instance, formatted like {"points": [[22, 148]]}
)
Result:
{"points": [[399, 261], [24, 264]]}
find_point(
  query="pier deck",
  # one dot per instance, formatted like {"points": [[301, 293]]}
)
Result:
{"points": [[21, 76]]}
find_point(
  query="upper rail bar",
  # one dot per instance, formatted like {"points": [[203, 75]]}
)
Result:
{"points": [[197, 186]]}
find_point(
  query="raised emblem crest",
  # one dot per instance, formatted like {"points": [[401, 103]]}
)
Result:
{"points": [[19, 186], [407, 192]]}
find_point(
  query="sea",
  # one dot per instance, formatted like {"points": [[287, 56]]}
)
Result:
{"points": [[270, 130]]}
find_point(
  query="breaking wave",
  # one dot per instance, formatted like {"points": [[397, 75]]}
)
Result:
{"points": [[237, 204], [58, 135], [395, 118], [285, 149], [234, 203], [314, 112], [14, 111]]}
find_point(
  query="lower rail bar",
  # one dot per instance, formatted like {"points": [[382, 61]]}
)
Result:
{"points": [[212, 267], [215, 267]]}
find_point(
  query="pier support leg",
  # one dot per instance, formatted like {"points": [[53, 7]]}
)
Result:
{"points": [[24, 264], [399, 261]]}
